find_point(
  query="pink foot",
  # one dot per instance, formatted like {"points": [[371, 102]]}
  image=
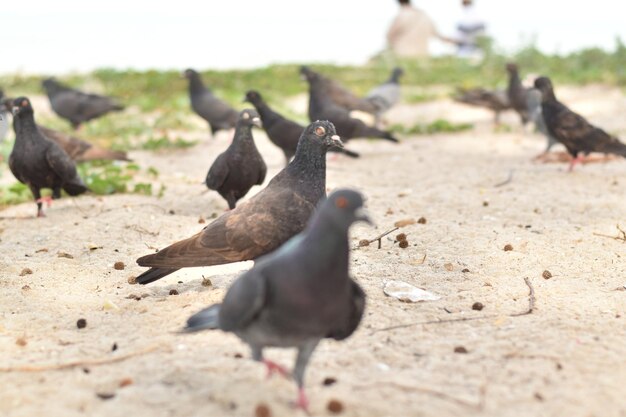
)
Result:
{"points": [[40, 213], [302, 402], [273, 367], [575, 161], [47, 199]]}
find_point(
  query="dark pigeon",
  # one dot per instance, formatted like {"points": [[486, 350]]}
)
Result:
{"points": [[495, 100], [283, 132], [535, 115], [218, 114], [38, 162], [517, 93], [321, 107], [298, 295], [339, 94], [261, 224], [386, 95], [241, 166], [578, 135], [78, 149], [75, 106]]}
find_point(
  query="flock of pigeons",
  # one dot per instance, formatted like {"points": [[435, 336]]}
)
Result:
{"points": [[299, 290]]}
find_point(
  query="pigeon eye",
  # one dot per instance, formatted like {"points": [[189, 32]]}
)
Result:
{"points": [[341, 202], [320, 131]]}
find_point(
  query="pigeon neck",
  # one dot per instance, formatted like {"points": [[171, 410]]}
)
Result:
{"points": [[514, 80], [243, 134], [310, 158], [266, 113], [331, 243], [548, 96], [24, 122], [394, 79], [196, 85], [317, 93]]}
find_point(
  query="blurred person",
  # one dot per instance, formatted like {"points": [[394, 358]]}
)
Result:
{"points": [[411, 31], [469, 29]]}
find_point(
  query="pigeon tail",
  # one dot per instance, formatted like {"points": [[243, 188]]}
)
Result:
{"points": [[153, 274], [207, 319]]}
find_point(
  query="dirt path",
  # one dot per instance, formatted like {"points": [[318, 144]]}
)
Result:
{"points": [[564, 359]]}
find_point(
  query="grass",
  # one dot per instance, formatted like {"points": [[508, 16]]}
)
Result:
{"points": [[438, 126]]}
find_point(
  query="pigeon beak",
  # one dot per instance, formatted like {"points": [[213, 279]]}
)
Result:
{"points": [[15, 111], [362, 215], [257, 122], [334, 141]]}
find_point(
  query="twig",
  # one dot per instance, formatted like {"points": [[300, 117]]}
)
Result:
{"points": [[141, 230], [531, 300], [101, 361], [506, 181], [378, 238], [438, 321], [621, 236]]}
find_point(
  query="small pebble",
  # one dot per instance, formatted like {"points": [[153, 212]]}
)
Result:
{"points": [[508, 247], [26, 271], [421, 220], [460, 349], [81, 323], [201, 220], [477, 306], [126, 382], [26, 288], [403, 244], [105, 395], [328, 381], [485, 203], [119, 266], [114, 347], [334, 406], [132, 280], [238, 356], [262, 410], [401, 237], [206, 282], [546, 274], [173, 291], [364, 242], [465, 270], [21, 341]]}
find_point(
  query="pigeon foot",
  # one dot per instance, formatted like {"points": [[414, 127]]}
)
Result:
{"points": [[273, 367]]}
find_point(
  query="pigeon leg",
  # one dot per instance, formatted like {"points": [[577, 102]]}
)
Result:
{"points": [[45, 199], [577, 160], [273, 367], [304, 355], [37, 196]]}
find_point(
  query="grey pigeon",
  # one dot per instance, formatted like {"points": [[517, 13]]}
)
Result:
{"points": [[218, 114], [75, 106], [77, 149], [340, 95], [495, 100], [571, 129], [535, 115], [262, 223], [281, 131], [321, 107], [38, 162], [517, 93], [241, 166], [298, 295], [386, 95]]}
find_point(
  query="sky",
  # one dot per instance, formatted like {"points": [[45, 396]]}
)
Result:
{"points": [[62, 36]]}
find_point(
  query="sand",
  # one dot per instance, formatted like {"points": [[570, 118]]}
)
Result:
{"points": [[566, 358]]}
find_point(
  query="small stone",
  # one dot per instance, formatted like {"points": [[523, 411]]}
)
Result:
{"points": [[465, 270], [26, 271], [485, 203], [421, 220], [126, 382], [105, 395], [334, 406], [26, 288], [460, 349], [477, 306], [449, 266], [132, 280], [364, 242], [401, 237], [114, 347], [201, 220], [328, 381], [173, 291], [206, 282], [403, 244], [21, 341], [546, 274], [81, 323], [508, 247], [238, 355], [262, 410], [119, 266]]}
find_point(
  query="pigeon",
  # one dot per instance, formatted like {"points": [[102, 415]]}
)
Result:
{"points": [[78, 149], [262, 223], [321, 107], [4, 117], [241, 166], [578, 135], [283, 132], [75, 106], [218, 114], [496, 100], [298, 295], [386, 95], [535, 115], [40, 163], [339, 94], [517, 93]]}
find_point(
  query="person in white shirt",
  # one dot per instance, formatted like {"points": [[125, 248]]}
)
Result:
{"points": [[411, 31], [469, 28]]}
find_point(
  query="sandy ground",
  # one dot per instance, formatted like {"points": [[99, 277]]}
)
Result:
{"points": [[564, 359]]}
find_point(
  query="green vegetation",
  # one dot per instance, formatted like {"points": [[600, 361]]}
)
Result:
{"points": [[164, 142], [438, 126]]}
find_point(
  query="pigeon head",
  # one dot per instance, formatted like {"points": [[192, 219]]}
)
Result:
{"points": [[50, 84], [190, 73], [6, 104], [344, 207], [308, 74], [396, 74], [253, 97], [249, 118], [544, 85], [511, 68], [324, 133], [21, 105]]}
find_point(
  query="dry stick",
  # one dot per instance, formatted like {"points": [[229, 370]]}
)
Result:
{"points": [[531, 308], [378, 238], [618, 237], [506, 181], [101, 361]]}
